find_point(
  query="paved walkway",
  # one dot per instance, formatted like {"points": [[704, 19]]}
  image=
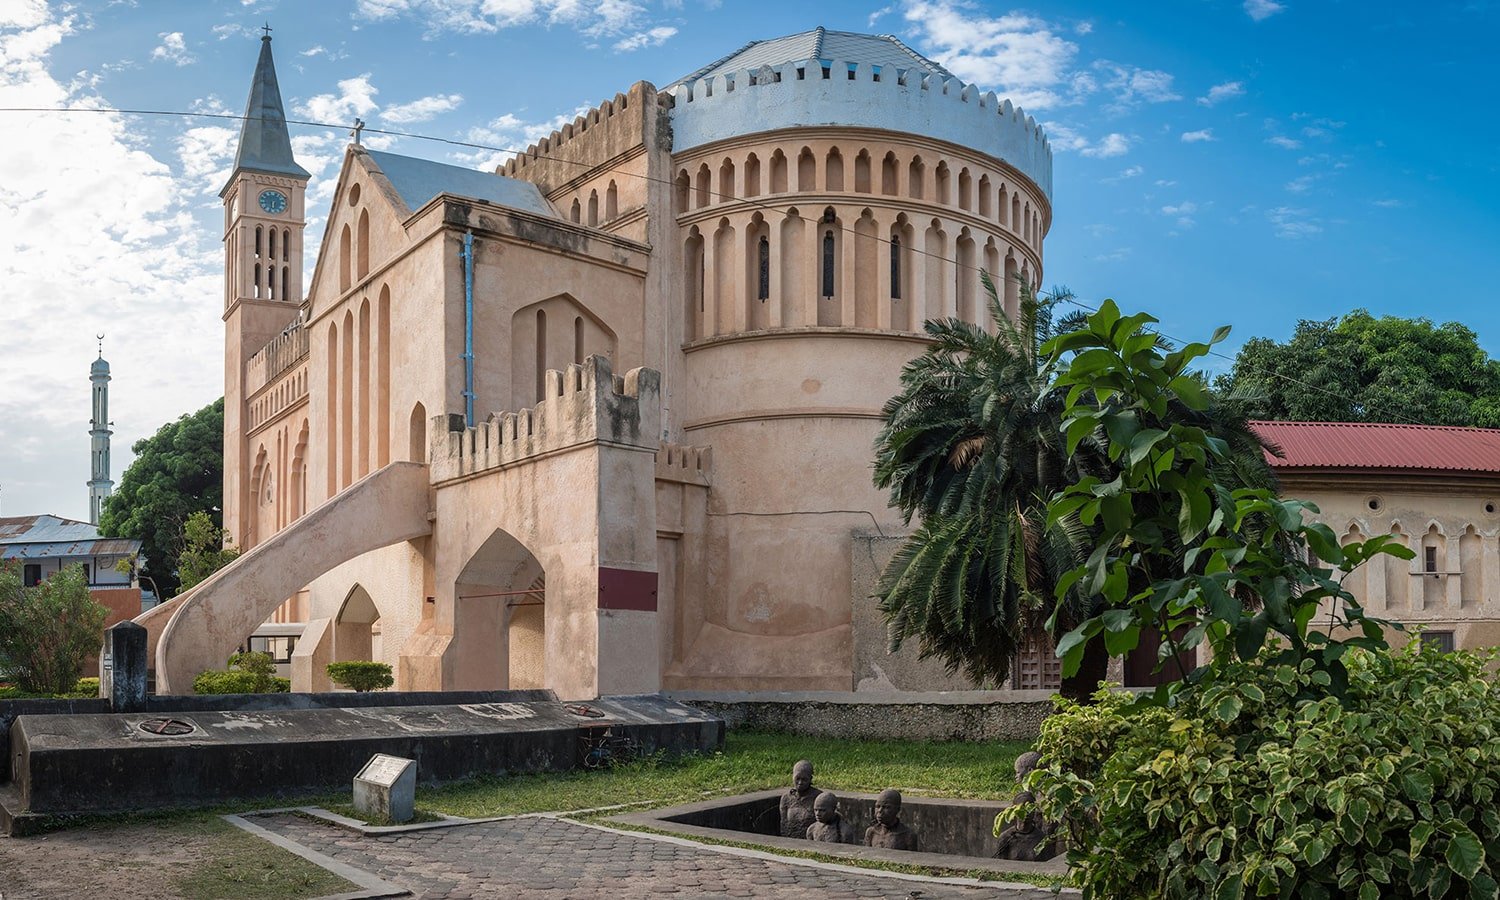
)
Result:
{"points": [[540, 857]]}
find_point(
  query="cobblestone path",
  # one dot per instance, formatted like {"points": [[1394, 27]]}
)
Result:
{"points": [[542, 857]]}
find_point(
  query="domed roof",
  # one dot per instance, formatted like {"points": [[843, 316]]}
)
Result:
{"points": [[848, 46], [100, 367]]}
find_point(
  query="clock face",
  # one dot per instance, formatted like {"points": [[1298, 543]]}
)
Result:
{"points": [[273, 202]]}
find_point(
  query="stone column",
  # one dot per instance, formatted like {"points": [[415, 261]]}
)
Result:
{"points": [[123, 681], [846, 289], [773, 232], [882, 273], [1453, 584]]}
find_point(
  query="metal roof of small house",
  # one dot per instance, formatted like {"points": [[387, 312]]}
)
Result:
{"points": [[1379, 445], [820, 43], [419, 180], [45, 536]]}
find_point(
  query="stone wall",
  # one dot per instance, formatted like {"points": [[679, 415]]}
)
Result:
{"points": [[948, 716]]}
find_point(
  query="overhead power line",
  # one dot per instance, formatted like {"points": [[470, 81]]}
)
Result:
{"points": [[760, 205]]}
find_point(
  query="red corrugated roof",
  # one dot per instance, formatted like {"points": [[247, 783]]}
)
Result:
{"points": [[1376, 445]]}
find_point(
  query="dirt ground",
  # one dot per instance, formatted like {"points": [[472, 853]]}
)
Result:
{"points": [[193, 857]]}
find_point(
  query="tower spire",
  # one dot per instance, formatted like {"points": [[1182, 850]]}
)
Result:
{"points": [[265, 145], [100, 485]]}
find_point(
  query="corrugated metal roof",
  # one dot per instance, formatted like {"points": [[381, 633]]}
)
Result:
{"points": [[100, 547], [44, 529], [419, 180], [845, 46], [1377, 445]]}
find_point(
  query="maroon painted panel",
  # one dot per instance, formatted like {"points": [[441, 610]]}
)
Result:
{"points": [[627, 589]]}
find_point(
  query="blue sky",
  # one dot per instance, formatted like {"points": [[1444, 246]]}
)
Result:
{"points": [[1242, 162]]}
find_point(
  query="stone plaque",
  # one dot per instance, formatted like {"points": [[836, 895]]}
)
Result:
{"points": [[385, 790]]}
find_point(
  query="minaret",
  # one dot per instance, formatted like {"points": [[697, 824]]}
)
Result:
{"points": [[100, 484], [263, 219]]}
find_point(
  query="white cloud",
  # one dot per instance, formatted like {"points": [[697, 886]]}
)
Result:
{"points": [[173, 49], [231, 29], [1119, 254], [101, 238], [1388, 203], [1293, 224], [508, 135], [653, 38], [1185, 208], [422, 109], [314, 50], [599, 18], [1084, 27], [1132, 86], [356, 97], [1198, 137], [1020, 56], [1066, 139], [1284, 142], [1301, 185], [1114, 144], [1221, 92], [1260, 10], [1124, 174]]}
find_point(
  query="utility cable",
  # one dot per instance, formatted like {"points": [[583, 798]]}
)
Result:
{"points": [[760, 205]]}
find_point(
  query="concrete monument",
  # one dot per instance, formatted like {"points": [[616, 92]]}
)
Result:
{"points": [[797, 803], [888, 832], [830, 827]]}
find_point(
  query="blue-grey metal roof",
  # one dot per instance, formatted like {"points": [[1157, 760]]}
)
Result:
{"points": [[265, 145], [419, 180], [820, 43], [44, 536]]}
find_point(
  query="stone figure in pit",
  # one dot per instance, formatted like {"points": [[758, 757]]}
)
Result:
{"points": [[889, 832], [830, 827], [1028, 839], [797, 803]]}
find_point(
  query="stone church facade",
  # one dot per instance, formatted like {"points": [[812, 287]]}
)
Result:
{"points": [[602, 421]]}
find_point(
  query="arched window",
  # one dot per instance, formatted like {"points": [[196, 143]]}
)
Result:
{"points": [[593, 208], [272, 243], [684, 185], [778, 173], [985, 197], [914, 178], [611, 202], [807, 171], [726, 180], [965, 187], [363, 257], [828, 262], [576, 213], [834, 178], [578, 340], [888, 175], [286, 292], [862, 172], [940, 192], [895, 267], [541, 354], [763, 283], [752, 176], [346, 259], [703, 186], [257, 279], [286, 244], [257, 241]]}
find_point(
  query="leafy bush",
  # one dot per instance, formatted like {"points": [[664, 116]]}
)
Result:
{"points": [[361, 675], [47, 631], [85, 689], [249, 673], [1244, 789]]}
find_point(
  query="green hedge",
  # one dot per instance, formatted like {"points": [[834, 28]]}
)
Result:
{"points": [[1247, 789], [361, 675], [231, 682]]}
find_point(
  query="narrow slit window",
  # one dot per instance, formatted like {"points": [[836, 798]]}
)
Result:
{"points": [[1430, 558], [763, 289], [895, 267], [828, 263]]}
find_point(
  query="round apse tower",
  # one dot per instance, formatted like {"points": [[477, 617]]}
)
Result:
{"points": [[831, 192]]}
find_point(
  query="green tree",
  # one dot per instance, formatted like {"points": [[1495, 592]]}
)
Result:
{"points": [[177, 471], [1177, 544], [1360, 368], [973, 447], [47, 631], [204, 550], [361, 675]]}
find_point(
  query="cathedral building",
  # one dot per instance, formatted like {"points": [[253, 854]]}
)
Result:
{"points": [[602, 421]]}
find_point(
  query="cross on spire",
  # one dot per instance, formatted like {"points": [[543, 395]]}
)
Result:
{"points": [[359, 125], [267, 29]]}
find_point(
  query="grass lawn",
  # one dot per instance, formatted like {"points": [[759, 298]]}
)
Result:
{"points": [[749, 762]]}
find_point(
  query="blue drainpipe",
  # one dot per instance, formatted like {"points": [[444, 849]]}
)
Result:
{"points": [[467, 255]]}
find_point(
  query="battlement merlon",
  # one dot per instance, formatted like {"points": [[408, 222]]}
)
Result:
{"points": [[684, 464], [906, 101], [593, 139], [584, 404]]}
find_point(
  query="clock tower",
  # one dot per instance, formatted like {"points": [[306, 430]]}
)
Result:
{"points": [[263, 225]]}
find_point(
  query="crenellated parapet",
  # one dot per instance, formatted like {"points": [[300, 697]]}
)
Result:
{"points": [[823, 92], [284, 351], [583, 404], [603, 134], [684, 464]]}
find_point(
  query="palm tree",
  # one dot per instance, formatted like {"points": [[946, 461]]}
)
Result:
{"points": [[972, 447]]}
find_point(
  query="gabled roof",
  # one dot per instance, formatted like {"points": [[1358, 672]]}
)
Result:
{"points": [[847, 46], [419, 180], [44, 536], [1378, 445], [265, 145]]}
